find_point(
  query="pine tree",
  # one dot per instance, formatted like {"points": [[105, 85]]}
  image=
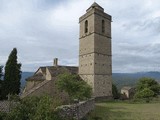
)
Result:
{"points": [[12, 75]]}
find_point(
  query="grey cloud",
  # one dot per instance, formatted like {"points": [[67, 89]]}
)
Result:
{"points": [[137, 58], [44, 29], [150, 26]]}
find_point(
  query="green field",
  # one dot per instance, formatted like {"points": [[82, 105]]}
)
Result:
{"points": [[127, 111]]}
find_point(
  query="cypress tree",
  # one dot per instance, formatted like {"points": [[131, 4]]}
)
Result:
{"points": [[1, 67], [1, 82], [12, 75]]}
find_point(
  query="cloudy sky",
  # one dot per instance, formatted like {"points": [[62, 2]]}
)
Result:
{"points": [[45, 29]]}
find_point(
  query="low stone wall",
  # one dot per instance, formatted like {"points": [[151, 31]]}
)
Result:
{"points": [[78, 110], [6, 105]]}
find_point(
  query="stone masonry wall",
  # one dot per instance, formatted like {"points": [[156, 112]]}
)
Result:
{"points": [[78, 110], [95, 52]]}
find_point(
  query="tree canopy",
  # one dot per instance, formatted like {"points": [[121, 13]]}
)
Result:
{"points": [[115, 92], [1, 82], [149, 83], [146, 89], [1, 67], [145, 93], [74, 86], [12, 75]]}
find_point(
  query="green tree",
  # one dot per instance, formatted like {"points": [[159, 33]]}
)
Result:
{"points": [[12, 75], [1, 82], [1, 67], [145, 94], [115, 92], [74, 86], [149, 83]]}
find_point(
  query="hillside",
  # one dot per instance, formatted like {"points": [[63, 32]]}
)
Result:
{"points": [[24, 76], [120, 79]]}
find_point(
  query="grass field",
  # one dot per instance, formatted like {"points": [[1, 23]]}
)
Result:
{"points": [[127, 111]]}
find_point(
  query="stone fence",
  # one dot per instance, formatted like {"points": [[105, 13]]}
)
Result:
{"points": [[77, 110], [6, 105]]}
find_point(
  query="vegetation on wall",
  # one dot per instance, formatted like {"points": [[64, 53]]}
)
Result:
{"points": [[12, 75], [74, 86]]}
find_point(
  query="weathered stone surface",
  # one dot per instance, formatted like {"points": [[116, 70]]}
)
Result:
{"points": [[36, 87], [95, 55], [78, 110]]}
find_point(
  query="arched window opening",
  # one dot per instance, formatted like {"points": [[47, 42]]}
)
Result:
{"points": [[103, 26], [86, 26]]}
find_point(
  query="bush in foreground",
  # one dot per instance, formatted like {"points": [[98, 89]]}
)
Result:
{"points": [[146, 89], [145, 94], [35, 108]]}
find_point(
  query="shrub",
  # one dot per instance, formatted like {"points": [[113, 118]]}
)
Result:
{"points": [[74, 86], [35, 108]]}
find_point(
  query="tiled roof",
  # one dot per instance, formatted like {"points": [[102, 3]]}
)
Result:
{"points": [[38, 77], [127, 88], [43, 70], [95, 5], [56, 70]]}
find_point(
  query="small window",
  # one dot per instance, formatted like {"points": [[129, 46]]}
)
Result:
{"points": [[86, 26], [103, 26]]}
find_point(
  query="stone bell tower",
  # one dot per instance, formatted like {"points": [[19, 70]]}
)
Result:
{"points": [[95, 57]]}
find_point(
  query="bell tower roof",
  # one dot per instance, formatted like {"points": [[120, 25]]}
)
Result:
{"points": [[95, 6]]}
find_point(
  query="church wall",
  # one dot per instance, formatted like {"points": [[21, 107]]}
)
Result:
{"points": [[102, 64], [89, 79], [90, 20], [98, 24], [31, 84], [48, 75], [102, 44], [86, 45], [49, 88], [103, 85], [95, 62], [86, 65], [39, 71]]}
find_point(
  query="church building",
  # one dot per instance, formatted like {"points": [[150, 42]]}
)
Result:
{"points": [[95, 64], [95, 59]]}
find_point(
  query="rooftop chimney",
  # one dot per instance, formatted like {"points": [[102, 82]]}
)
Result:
{"points": [[55, 62]]}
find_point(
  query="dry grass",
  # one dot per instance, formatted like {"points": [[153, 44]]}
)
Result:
{"points": [[127, 111]]}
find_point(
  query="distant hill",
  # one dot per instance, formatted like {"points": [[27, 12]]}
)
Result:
{"points": [[120, 79], [24, 76], [130, 79]]}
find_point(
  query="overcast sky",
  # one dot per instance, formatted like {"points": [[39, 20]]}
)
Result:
{"points": [[45, 29]]}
